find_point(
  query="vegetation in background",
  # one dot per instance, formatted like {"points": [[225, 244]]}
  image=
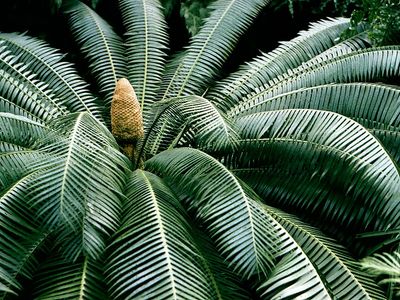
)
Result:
{"points": [[382, 19], [385, 266], [192, 11]]}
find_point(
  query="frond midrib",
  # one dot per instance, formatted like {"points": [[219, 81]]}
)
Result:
{"points": [[275, 214], [103, 37], [326, 148], [38, 89], [67, 162], [54, 71], [161, 229], [205, 43], [306, 69]]}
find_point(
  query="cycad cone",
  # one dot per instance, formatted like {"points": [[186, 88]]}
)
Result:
{"points": [[126, 118]]}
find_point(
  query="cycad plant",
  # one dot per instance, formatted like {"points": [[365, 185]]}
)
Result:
{"points": [[170, 182]]}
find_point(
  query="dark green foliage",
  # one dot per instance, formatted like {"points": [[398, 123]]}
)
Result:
{"points": [[382, 19], [193, 11]]}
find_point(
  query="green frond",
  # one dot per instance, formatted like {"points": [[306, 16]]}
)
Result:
{"points": [[21, 87], [366, 103], [367, 65], [146, 43], [225, 284], [22, 261], [78, 188], [289, 55], [193, 119], [61, 77], [21, 131], [19, 238], [294, 277], [389, 136], [210, 47], [16, 164], [9, 147], [153, 255], [375, 106], [60, 279], [243, 237], [292, 274], [386, 265], [319, 162], [338, 270], [7, 106], [102, 47]]}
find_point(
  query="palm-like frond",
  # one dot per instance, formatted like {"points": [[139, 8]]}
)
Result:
{"points": [[12, 108], [61, 77], [58, 279], [78, 188], [17, 139], [333, 160], [21, 131], [193, 119], [18, 261], [289, 55], [153, 255], [190, 72], [218, 198], [16, 164], [146, 40], [363, 65], [224, 283], [294, 274], [338, 270], [20, 237], [21, 87], [373, 105], [103, 48]]}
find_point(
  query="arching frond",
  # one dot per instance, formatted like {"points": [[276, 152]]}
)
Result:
{"points": [[60, 279], [21, 131], [174, 117], [322, 163], [375, 106], [364, 65], [367, 103], [146, 41], [224, 283], [7, 106], [153, 255], [78, 189], [244, 238], [102, 47], [19, 262], [61, 77], [389, 136], [19, 238], [293, 275], [210, 47], [289, 55], [16, 164], [22, 88], [338, 270]]}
